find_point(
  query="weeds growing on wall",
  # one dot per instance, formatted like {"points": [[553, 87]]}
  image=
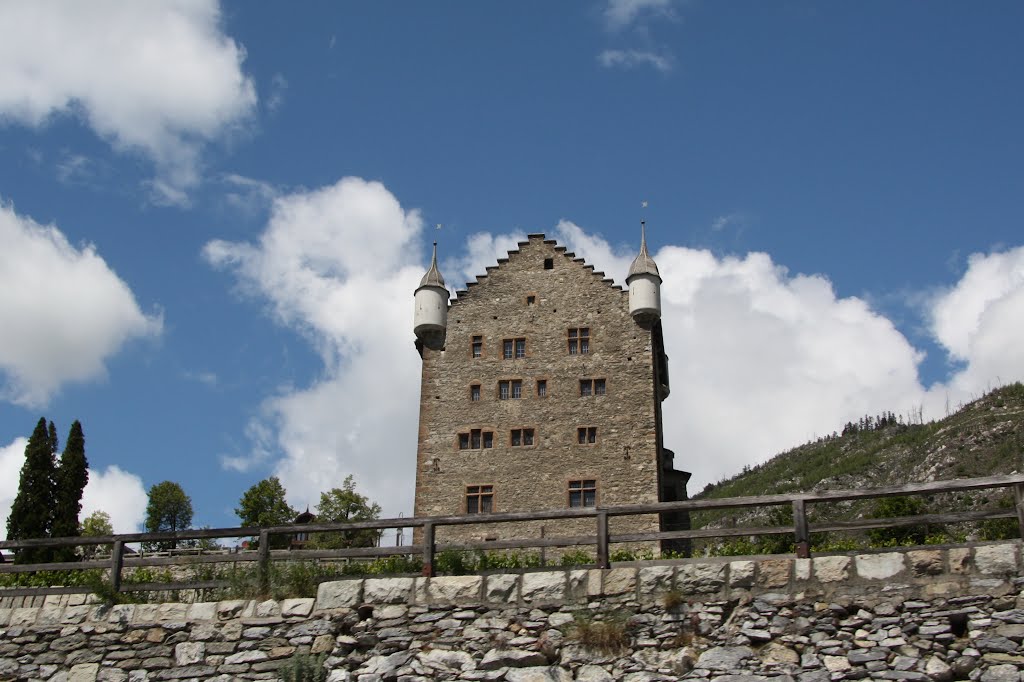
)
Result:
{"points": [[607, 632], [303, 667]]}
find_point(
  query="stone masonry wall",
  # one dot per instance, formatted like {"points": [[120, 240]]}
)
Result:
{"points": [[925, 614], [569, 295]]}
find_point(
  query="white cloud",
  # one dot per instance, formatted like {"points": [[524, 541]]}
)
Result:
{"points": [[621, 13], [156, 78], [120, 494], [980, 321], [113, 490], [339, 264], [11, 458], [629, 59], [64, 311]]}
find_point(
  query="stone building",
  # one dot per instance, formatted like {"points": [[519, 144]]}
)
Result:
{"points": [[542, 385]]}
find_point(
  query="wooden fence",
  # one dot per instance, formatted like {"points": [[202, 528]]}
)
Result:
{"points": [[601, 540]]}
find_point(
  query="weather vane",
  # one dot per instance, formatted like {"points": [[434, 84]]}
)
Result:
{"points": [[438, 226]]}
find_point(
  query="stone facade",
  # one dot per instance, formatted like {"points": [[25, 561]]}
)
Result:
{"points": [[533, 301], [922, 615]]}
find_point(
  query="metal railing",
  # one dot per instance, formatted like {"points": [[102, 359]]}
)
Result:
{"points": [[601, 540]]}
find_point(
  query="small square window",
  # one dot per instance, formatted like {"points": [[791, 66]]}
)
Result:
{"points": [[530, 300], [474, 392], [479, 499], [579, 340], [549, 263], [586, 435], [542, 388], [476, 439], [521, 437], [583, 493], [478, 346]]}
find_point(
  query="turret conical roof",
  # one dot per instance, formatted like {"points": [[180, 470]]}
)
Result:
{"points": [[433, 277], [643, 264]]}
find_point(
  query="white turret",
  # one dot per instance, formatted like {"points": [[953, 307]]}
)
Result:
{"points": [[431, 316], [644, 283]]}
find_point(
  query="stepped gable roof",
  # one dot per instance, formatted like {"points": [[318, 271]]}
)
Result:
{"points": [[537, 236], [433, 277], [643, 264]]}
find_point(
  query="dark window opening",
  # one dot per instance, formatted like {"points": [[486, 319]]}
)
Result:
{"points": [[579, 340], [549, 263], [586, 435], [478, 346], [479, 499], [583, 493], [474, 392], [521, 437], [476, 439], [542, 388]]}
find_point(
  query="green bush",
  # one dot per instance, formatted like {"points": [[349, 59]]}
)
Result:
{"points": [[302, 667]]}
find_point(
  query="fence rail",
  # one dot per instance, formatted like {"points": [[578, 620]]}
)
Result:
{"points": [[601, 540]]}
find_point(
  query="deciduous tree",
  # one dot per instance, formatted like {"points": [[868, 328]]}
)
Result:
{"points": [[264, 504], [95, 525], [344, 504], [169, 509]]}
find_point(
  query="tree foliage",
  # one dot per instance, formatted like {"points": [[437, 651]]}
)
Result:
{"points": [[169, 509], [345, 505], [94, 525], [71, 477], [264, 504], [31, 511]]}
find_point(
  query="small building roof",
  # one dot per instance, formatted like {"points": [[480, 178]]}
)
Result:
{"points": [[643, 264], [433, 277]]}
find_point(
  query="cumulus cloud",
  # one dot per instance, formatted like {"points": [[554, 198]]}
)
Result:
{"points": [[159, 79], [64, 311], [120, 494], [339, 265], [630, 59], [112, 490], [980, 321]]}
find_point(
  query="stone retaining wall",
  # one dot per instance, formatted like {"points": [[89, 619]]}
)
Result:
{"points": [[932, 614]]}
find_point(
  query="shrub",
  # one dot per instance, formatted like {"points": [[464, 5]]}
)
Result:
{"points": [[577, 557], [608, 633], [302, 667]]}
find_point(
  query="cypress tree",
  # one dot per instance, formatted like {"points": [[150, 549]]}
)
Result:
{"points": [[32, 508], [72, 475]]}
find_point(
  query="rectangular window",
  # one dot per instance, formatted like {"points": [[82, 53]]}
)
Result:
{"points": [[586, 435], [510, 389], [549, 263], [479, 499], [513, 348], [474, 392], [599, 387], [476, 439], [583, 493], [579, 340], [520, 348], [506, 349], [521, 437], [478, 346], [592, 387], [542, 388], [530, 300]]}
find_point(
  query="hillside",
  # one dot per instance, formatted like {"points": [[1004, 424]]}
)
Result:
{"points": [[983, 438]]}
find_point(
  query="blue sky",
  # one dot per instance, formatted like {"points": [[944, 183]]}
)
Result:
{"points": [[213, 217]]}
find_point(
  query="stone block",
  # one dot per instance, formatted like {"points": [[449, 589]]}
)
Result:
{"points": [[339, 594], [188, 653], [924, 562], [998, 559], [22, 616], [121, 613], [831, 569], [774, 572], [297, 608], [387, 590], [879, 566], [616, 581], [501, 587], [959, 560], [654, 581], [172, 613], [230, 608], [460, 589], [203, 610], [578, 584], [267, 609], [5, 617], [546, 586], [802, 569], [83, 672], [700, 578], [147, 613]]}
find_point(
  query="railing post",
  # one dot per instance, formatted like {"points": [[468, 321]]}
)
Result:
{"points": [[428, 550], [263, 569], [1018, 498], [116, 562], [800, 530], [602, 540]]}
